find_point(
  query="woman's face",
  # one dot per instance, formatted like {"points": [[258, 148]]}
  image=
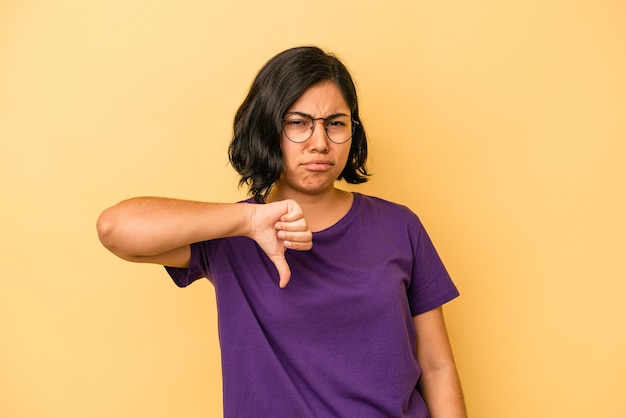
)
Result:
{"points": [[313, 166]]}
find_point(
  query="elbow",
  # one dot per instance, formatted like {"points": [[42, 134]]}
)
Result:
{"points": [[107, 228], [444, 368]]}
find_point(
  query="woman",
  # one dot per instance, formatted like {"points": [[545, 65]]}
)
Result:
{"points": [[329, 302]]}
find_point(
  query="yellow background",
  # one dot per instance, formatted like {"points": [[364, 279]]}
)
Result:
{"points": [[501, 123]]}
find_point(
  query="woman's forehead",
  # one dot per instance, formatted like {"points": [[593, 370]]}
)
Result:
{"points": [[320, 100]]}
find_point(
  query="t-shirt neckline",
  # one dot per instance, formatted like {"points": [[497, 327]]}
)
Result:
{"points": [[337, 225]]}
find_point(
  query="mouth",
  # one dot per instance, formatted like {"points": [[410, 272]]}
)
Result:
{"points": [[318, 165]]}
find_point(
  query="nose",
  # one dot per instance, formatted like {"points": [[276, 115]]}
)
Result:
{"points": [[319, 139]]}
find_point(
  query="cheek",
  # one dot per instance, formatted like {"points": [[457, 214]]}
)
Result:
{"points": [[345, 155], [290, 155]]}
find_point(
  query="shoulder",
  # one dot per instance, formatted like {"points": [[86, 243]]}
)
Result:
{"points": [[391, 217], [378, 207]]}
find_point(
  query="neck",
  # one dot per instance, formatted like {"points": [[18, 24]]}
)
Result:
{"points": [[321, 210], [327, 197]]}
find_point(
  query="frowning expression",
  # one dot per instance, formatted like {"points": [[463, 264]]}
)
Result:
{"points": [[314, 165]]}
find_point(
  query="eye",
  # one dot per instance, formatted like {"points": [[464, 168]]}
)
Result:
{"points": [[338, 122], [297, 122]]}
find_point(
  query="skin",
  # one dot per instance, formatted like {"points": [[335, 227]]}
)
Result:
{"points": [[440, 380], [305, 199]]}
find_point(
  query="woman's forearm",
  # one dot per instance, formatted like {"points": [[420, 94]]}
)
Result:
{"points": [[149, 226]]}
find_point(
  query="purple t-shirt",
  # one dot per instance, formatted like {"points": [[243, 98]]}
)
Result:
{"points": [[339, 340]]}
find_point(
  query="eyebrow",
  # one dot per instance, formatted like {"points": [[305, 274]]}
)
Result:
{"points": [[334, 115]]}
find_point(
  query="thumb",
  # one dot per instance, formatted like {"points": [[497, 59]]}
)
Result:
{"points": [[284, 272]]}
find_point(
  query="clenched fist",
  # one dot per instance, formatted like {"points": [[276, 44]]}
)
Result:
{"points": [[278, 226]]}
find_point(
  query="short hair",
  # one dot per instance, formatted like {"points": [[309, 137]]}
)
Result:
{"points": [[255, 150]]}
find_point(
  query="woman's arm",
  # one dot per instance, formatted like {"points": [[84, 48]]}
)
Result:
{"points": [[440, 380], [160, 230]]}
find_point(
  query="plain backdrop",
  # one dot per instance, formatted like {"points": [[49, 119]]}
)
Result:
{"points": [[501, 123]]}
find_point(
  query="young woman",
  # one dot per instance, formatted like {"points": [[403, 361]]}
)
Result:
{"points": [[329, 302]]}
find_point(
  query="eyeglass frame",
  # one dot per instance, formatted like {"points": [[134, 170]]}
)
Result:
{"points": [[355, 123]]}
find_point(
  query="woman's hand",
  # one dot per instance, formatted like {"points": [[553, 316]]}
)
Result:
{"points": [[278, 226]]}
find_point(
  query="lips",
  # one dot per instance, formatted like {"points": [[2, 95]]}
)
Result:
{"points": [[318, 165]]}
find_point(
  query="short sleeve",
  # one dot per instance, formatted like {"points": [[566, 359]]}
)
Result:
{"points": [[431, 285], [198, 267]]}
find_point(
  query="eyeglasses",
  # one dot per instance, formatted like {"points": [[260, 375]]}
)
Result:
{"points": [[298, 127]]}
